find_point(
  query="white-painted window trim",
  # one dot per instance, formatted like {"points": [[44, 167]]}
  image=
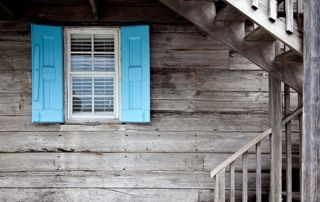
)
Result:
{"points": [[116, 75]]}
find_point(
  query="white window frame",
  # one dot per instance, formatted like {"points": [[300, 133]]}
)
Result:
{"points": [[91, 117]]}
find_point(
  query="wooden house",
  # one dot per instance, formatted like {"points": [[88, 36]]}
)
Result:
{"points": [[159, 100]]}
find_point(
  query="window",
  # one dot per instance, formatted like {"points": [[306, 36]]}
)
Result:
{"points": [[92, 73]]}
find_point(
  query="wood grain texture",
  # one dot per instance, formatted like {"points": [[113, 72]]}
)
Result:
{"points": [[276, 140], [196, 124], [311, 117], [232, 34]]}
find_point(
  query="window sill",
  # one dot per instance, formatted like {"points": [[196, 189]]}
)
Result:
{"points": [[92, 122]]}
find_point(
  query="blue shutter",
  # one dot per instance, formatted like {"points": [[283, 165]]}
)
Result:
{"points": [[47, 74], [135, 74]]}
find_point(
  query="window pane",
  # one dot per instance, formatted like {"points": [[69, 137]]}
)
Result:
{"points": [[103, 42], [103, 62], [103, 104], [82, 86], [103, 86], [81, 62], [103, 90], [81, 104], [81, 42]]}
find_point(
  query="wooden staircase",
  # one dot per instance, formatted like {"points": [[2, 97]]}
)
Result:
{"points": [[269, 34], [261, 45]]}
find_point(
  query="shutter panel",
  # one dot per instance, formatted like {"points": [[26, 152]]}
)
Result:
{"points": [[135, 74], [47, 74]]}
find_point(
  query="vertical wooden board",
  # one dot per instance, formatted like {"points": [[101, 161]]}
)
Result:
{"points": [[276, 140], [311, 107]]}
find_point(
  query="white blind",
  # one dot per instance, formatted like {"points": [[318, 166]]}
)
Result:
{"points": [[92, 72]]}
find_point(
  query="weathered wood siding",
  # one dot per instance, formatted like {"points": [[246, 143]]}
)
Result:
{"points": [[207, 102]]}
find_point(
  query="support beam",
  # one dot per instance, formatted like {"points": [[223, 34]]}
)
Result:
{"points": [[276, 140], [311, 104], [232, 34], [94, 8]]}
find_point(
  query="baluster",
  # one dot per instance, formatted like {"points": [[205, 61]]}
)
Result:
{"points": [[300, 141], [232, 183], [216, 187], [222, 186], [288, 145], [258, 172], [300, 7], [289, 16], [255, 4], [272, 9], [245, 177]]}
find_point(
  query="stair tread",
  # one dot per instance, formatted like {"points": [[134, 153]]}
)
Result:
{"points": [[228, 13], [289, 56], [259, 34]]}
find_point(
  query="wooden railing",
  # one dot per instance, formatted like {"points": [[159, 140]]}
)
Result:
{"points": [[291, 10], [276, 158]]}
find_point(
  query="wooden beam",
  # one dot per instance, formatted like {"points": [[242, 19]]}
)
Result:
{"points": [[6, 13], [311, 104], [94, 8], [232, 34], [276, 140]]}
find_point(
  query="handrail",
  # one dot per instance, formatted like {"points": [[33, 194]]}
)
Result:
{"points": [[253, 142]]}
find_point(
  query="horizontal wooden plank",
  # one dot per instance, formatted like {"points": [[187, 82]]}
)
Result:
{"points": [[204, 122], [102, 195], [131, 141], [24, 123], [185, 41], [15, 104], [238, 62], [208, 195], [97, 195], [232, 81], [111, 14], [22, 162], [12, 60], [213, 59], [15, 82], [100, 162], [121, 179]]}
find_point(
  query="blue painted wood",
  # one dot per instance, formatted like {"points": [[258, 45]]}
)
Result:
{"points": [[135, 78], [47, 74]]}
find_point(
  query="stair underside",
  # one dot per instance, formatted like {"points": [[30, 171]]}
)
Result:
{"points": [[231, 32]]}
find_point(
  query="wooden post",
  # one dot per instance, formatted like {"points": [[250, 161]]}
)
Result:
{"points": [[276, 140], [288, 144], [311, 103]]}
